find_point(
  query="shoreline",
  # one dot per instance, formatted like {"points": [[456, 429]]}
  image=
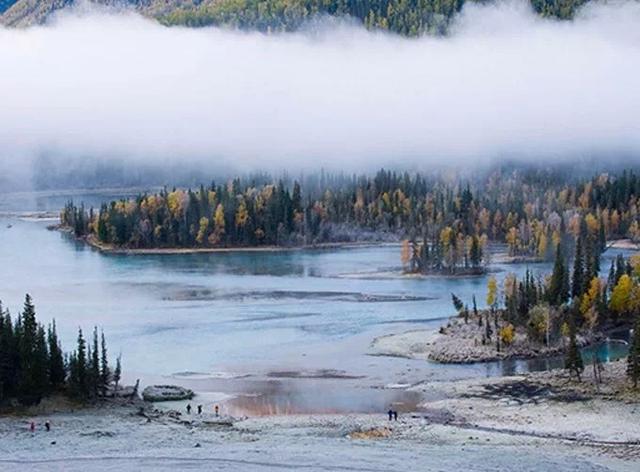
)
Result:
{"points": [[112, 249], [497, 258], [544, 413], [624, 244], [456, 343]]}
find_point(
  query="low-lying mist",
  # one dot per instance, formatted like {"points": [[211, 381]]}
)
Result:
{"points": [[504, 84]]}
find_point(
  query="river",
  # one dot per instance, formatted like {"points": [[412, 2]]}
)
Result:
{"points": [[274, 331]]}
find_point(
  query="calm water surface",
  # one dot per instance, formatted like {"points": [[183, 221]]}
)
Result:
{"points": [[242, 323]]}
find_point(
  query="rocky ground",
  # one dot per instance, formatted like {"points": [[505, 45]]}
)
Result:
{"points": [[536, 422], [458, 342]]}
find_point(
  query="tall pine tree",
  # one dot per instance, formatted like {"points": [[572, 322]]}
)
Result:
{"points": [[577, 281], [633, 359], [56, 359], [573, 359], [558, 290], [105, 373]]}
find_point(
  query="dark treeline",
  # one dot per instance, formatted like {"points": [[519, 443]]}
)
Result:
{"points": [[446, 221], [33, 364], [406, 17]]}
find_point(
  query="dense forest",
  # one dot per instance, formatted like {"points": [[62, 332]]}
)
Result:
{"points": [[406, 17], [33, 364], [447, 222], [570, 301]]}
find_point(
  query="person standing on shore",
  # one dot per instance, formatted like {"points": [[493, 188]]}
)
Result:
{"points": [[390, 413], [188, 408], [32, 427], [199, 409], [47, 425], [395, 415], [217, 410]]}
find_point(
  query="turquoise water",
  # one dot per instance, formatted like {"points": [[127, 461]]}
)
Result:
{"points": [[226, 322]]}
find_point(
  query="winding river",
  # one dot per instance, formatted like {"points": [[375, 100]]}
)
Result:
{"points": [[275, 331]]}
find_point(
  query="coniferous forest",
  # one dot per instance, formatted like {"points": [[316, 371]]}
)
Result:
{"points": [[446, 223], [33, 364], [406, 17], [554, 309]]}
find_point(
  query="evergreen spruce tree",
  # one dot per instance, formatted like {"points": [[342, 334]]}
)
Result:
{"points": [[81, 388], [592, 258], [117, 372], [56, 359], [573, 359], [621, 268], [577, 286], [475, 311], [27, 333], [9, 356], [602, 238], [41, 383], [633, 359], [73, 379], [6, 334], [558, 286], [94, 366], [475, 252], [105, 373], [457, 303], [611, 280]]}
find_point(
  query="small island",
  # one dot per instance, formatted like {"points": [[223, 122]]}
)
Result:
{"points": [[538, 317]]}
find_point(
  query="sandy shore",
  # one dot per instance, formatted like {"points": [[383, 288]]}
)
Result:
{"points": [[414, 344], [537, 422]]}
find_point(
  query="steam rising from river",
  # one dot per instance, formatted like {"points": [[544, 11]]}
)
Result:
{"points": [[504, 83]]}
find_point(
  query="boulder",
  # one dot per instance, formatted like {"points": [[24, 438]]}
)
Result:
{"points": [[163, 393]]}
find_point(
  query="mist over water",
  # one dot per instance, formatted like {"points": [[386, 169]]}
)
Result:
{"points": [[504, 83]]}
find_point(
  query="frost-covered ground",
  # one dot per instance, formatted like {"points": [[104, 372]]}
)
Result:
{"points": [[86, 441], [505, 424]]}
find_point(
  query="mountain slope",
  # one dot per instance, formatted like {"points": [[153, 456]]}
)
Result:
{"points": [[23, 13], [30, 12], [406, 17]]}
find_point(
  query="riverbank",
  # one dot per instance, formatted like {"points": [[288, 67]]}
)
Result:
{"points": [[624, 244], [538, 421], [106, 248], [460, 343], [548, 405]]}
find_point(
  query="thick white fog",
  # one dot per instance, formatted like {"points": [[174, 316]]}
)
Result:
{"points": [[504, 83]]}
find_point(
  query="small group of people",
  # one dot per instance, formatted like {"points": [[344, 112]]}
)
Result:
{"points": [[393, 414], [216, 409], [32, 426]]}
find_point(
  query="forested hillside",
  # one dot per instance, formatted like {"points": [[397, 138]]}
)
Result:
{"points": [[406, 17]]}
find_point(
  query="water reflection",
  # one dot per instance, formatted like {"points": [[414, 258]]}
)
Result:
{"points": [[277, 398], [606, 351]]}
